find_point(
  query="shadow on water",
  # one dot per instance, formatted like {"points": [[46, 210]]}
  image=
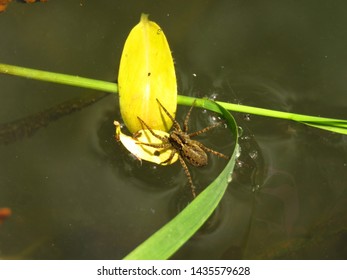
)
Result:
{"points": [[26, 127]]}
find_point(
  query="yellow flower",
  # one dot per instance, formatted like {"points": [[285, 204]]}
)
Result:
{"points": [[147, 73]]}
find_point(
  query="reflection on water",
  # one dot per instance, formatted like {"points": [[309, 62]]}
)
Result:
{"points": [[76, 194]]}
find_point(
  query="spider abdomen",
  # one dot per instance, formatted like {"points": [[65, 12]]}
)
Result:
{"points": [[194, 154]]}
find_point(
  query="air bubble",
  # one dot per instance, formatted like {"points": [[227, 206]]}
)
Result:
{"points": [[213, 119], [213, 96], [239, 164], [238, 151], [245, 138], [230, 177], [253, 154], [240, 130], [247, 117], [255, 188]]}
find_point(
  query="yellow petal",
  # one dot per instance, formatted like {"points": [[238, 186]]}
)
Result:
{"points": [[140, 151], [147, 73]]}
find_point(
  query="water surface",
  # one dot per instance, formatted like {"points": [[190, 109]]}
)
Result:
{"points": [[77, 194]]}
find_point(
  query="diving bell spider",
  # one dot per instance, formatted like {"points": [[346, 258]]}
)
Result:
{"points": [[179, 142]]}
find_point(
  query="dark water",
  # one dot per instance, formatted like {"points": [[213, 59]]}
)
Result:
{"points": [[76, 194]]}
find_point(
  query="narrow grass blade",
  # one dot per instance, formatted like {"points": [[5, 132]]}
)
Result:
{"points": [[330, 124]]}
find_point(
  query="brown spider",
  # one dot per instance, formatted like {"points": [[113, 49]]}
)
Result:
{"points": [[187, 149]]}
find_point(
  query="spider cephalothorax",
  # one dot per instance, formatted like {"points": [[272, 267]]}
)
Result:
{"points": [[180, 142]]}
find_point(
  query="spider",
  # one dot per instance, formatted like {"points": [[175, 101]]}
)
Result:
{"points": [[179, 142]]}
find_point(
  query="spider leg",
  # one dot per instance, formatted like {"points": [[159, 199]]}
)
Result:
{"points": [[204, 129], [175, 123], [151, 131], [185, 124], [173, 152], [156, 145], [162, 146], [186, 170], [218, 154]]}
